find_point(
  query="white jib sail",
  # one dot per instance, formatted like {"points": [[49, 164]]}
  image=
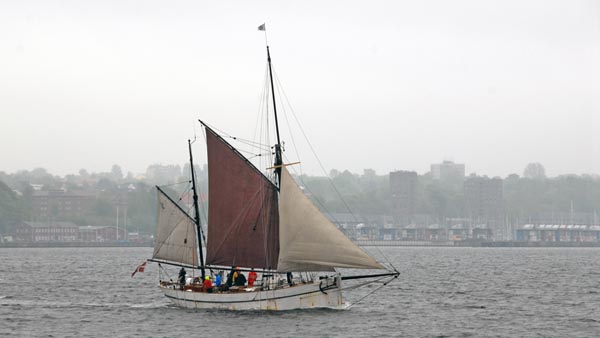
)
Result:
{"points": [[175, 234], [308, 241]]}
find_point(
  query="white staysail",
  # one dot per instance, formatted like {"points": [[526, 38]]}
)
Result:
{"points": [[308, 241], [175, 233]]}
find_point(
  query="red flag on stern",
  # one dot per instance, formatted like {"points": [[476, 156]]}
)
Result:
{"points": [[140, 268]]}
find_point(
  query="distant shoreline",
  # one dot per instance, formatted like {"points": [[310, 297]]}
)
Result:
{"points": [[480, 244], [516, 244], [74, 245], [388, 243]]}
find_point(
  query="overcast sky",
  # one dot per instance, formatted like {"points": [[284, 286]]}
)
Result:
{"points": [[387, 85]]}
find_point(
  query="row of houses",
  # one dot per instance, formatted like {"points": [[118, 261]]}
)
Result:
{"points": [[70, 232], [388, 231], [538, 233], [432, 232], [384, 228], [66, 232]]}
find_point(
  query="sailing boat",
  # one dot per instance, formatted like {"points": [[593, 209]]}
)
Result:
{"points": [[261, 224]]}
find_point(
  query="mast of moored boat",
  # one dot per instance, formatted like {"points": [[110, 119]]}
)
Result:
{"points": [[197, 215], [278, 159]]}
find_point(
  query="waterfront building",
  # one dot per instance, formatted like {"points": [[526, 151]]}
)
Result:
{"points": [[90, 233], [46, 232], [364, 227], [558, 233], [432, 232], [66, 232], [458, 232]]}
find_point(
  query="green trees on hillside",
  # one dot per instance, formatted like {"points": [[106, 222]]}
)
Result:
{"points": [[105, 192], [10, 207]]}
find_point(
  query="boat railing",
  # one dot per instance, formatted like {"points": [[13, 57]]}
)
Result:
{"points": [[268, 282]]}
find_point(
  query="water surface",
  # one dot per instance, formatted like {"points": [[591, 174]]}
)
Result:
{"points": [[442, 292]]}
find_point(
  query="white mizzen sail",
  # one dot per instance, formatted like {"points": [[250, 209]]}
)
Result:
{"points": [[175, 233], [308, 241]]}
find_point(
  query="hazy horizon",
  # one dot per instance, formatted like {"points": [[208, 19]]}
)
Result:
{"points": [[357, 172], [385, 85]]}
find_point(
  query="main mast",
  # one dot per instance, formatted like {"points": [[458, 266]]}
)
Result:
{"points": [[278, 158], [197, 212]]}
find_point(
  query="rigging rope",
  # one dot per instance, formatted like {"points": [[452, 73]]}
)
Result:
{"points": [[370, 293], [282, 91], [224, 134], [249, 143], [176, 183]]}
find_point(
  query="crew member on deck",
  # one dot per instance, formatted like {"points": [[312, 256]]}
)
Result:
{"points": [[252, 277], [207, 285], [218, 279], [182, 277], [230, 278], [235, 275], [240, 279]]}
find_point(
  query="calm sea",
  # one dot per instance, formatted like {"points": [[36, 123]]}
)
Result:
{"points": [[442, 292]]}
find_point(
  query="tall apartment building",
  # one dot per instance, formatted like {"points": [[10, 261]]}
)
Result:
{"points": [[449, 173], [403, 187], [484, 202]]}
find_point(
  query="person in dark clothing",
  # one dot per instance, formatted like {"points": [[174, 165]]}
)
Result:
{"points": [[240, 279], [182, 278], [230, 279], [290, 278]]}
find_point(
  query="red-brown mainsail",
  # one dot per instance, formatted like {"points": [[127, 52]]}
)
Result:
{"points": [[243, 221]]}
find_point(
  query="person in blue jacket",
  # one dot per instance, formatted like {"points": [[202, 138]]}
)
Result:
{"points": [[218, 280]]}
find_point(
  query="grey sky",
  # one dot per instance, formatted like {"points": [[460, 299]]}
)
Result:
{"points": [[380, 84]]}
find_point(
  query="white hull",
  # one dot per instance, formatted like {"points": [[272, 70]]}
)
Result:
{"points": [[319, 294]]}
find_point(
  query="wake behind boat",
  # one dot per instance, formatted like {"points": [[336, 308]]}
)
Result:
{"points": [[260, 224]]}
